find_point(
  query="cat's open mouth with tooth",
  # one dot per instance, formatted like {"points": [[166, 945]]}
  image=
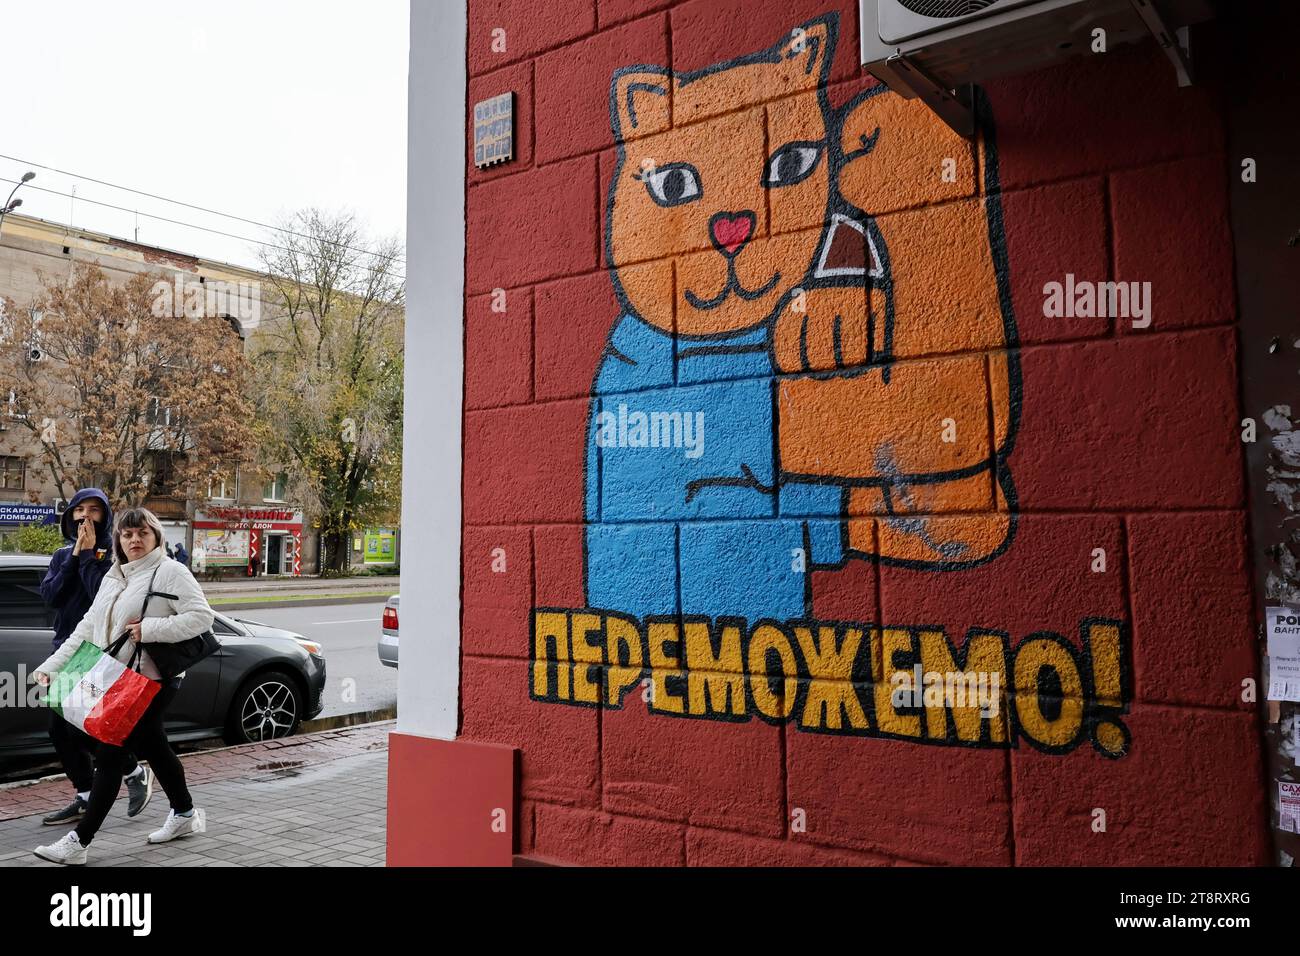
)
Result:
{"points": [[848, 251]]}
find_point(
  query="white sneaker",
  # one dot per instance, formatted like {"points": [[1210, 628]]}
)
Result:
{"points": [[67, 851], [177, 826]]}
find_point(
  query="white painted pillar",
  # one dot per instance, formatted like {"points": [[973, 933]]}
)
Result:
{"points": [[428, 682]]}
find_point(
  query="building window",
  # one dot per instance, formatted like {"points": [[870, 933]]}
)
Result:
{"points": [[12, 472], [276, 488], [225, 488], [156, 413]]}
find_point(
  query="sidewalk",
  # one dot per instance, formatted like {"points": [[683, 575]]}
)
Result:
{"points": [[249, 593], [311, 800], [240, 586]]}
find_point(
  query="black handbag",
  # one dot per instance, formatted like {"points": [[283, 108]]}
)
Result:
{"points": [[172, 658]]}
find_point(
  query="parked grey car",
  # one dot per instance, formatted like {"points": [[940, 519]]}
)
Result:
{"points": [[262, 683], [388, 632]]}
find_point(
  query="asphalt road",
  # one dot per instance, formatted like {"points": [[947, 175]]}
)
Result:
{"points": [[355, 681]]}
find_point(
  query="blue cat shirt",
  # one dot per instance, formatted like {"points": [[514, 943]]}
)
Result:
{"points": [[684, 513]]}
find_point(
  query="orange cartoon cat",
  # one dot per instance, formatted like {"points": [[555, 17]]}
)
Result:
{"points": [[814, 345]]}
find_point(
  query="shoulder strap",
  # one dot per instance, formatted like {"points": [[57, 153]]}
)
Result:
{"points": [[161, 594], [148, 594]]}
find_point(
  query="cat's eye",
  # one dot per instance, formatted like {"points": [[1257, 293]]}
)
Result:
{"points": [[792, 163], [673, 184]]}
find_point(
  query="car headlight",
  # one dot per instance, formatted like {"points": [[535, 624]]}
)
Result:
{"points": [[311, 647]]}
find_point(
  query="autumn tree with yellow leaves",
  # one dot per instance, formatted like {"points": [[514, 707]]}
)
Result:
{"points": [[119, 393], [329, 382]]}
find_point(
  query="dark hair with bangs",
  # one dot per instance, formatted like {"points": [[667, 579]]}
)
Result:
{"points": [[135, 518]]}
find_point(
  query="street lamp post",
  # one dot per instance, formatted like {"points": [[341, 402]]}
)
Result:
{"points": [[11, 203]]}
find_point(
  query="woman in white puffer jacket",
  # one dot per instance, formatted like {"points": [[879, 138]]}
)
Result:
{"points": [[139, 552]]}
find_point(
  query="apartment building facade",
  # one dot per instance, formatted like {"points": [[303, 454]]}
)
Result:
{"points": [[244, 524]]}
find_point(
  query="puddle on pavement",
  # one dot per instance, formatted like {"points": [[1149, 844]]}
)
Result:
{"points": [[281, 768]]}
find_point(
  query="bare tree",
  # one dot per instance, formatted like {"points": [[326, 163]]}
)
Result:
{"points": [[329, 392]]}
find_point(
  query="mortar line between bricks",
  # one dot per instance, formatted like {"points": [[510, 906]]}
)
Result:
{"points": [[599, 233], [532, 344], [1108, 238], [880, 587], [1020, 512], [1011, 808], [766, 109], [1114, 170], [786, 808], [686, 825], [743, 107], [533, 55], [678, 289], [1023, 349], [600, 717], [830, 844], [1111, 335], [994, 452], [600, 747], [1029, 185], [532, 125], [665, 13], [1126, 595]]}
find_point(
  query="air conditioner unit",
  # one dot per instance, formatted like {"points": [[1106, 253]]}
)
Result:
{"points": [[60, 505], [934, 49]]}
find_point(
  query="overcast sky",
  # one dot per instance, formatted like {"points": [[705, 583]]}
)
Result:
{"points": [[251, 107]]}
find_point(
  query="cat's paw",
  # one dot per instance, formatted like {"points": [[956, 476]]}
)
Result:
{"points": [[828, 328]]}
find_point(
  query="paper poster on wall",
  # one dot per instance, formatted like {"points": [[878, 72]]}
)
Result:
{"points": [[225, 546], [1283, 653], [381, 546], [1288, 802]]}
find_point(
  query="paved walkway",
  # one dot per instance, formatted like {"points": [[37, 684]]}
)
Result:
{"points": [[312, 800], [235, 594], [236, 587]]}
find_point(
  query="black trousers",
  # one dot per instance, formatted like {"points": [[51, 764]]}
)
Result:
{"points": [[149, 740], [76, 750]]}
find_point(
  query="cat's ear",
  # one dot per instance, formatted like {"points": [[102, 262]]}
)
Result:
{"points": [[807, 50], [640, 101]]}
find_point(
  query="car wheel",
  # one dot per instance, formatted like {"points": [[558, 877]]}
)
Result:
{"points": [[268, 705]]}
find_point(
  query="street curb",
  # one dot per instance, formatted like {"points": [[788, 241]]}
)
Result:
{"points": [[230, 606], [346, 720]]}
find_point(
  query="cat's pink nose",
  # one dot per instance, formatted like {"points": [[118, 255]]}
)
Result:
{"points": [[731, 230]]}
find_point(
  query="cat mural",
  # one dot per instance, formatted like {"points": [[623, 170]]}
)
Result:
{"points": [[816, 357]]}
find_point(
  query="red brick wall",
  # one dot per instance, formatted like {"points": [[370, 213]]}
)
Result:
{"points": [[1126, 441]]}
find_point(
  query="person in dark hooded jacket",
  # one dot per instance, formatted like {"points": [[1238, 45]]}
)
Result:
{"points": [[70, 585]]}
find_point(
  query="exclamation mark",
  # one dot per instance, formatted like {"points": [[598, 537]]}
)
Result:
{"points": [[1102, 641]]}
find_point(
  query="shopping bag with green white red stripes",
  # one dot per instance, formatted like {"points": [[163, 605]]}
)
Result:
{"points": [[97, 693]]}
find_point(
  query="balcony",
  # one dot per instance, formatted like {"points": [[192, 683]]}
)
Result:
{"points": [[167, 507]]}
